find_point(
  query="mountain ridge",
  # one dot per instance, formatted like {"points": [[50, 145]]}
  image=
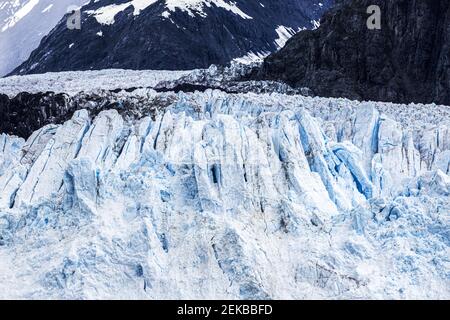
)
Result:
{"points": [[155, 35], [408, 60]]}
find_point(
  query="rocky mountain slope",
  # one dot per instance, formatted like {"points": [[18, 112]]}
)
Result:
{"points": [[172, 35], [23, 23], [408, 60], [146, 194]]}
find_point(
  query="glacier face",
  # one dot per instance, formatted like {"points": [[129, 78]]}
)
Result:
{"points": [[246, 196], [23, 24]]}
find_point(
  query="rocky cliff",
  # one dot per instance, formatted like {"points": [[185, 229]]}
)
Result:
{"points": [[171, 35], [407, 60]]}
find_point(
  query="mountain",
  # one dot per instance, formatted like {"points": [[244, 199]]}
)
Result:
{"points": [[23, 23], [172, 34], [211, 195], [33, 101], [407, 60]]}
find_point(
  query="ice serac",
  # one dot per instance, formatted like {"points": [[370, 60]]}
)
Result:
{"points": [[45, 176], [216, 195], [345, 58]]}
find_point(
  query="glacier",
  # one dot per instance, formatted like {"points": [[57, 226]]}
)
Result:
{"points": [[23, 24], [214, 195], [74, 82]]}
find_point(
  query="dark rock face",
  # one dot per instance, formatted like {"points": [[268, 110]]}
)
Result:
{"points": [[180, 41], [408, 60], [26, 112]]}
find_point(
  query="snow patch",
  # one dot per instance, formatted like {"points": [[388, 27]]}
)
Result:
{"points": [[72, 82]]}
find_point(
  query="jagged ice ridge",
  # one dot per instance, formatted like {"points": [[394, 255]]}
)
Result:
{"points": [[215, 195]]}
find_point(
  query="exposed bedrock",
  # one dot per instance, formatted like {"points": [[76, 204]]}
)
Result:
{"points": [[407, 60]]}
